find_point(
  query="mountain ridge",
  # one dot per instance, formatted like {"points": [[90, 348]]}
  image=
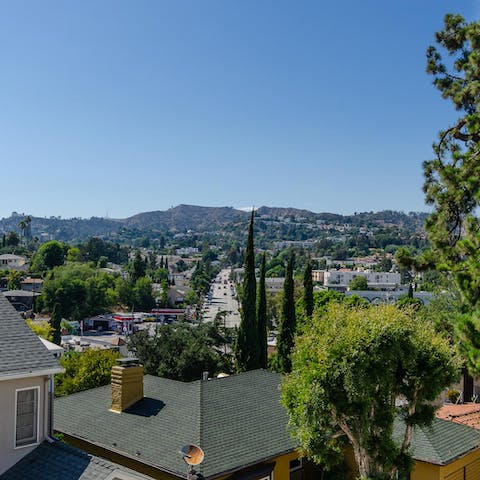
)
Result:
{"points": [[183, 217]]}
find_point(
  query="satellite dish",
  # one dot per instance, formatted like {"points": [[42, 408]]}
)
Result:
{"points": [[192, 454]]}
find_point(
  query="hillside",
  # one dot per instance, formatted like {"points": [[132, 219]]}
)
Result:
{"points": [[283, 223]]}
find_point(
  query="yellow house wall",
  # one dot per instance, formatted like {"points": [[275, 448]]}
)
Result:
{"points": [[459, 463], [421, 470], [425, 471], [281, 470], [282, 466]]}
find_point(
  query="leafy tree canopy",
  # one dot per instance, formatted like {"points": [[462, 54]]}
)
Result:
{"points": [[42, 329], [12, 239], [86, 370], [358, 283], [79, 290], [180, 351], [49, 255], [349, 367], [452, 178]]}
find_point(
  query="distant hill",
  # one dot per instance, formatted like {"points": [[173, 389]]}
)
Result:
{"points": [[201, 219], [185, 217]]}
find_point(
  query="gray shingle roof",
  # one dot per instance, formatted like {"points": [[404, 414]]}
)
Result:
{"points": [[21, 351], [58, 461], [442, 442], [237, 420]]}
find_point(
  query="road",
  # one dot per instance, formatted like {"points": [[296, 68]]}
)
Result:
{"points": [[223, 299]]}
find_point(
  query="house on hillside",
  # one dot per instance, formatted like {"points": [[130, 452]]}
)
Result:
{"points": [[30, 284], [22, 300], [27, 449], [143, 421], [9, 261]]}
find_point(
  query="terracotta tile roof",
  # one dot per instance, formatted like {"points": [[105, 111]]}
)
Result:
{"points": [[466, 414]]}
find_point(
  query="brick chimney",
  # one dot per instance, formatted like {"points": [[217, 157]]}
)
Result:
{"points": [[127, 384]]}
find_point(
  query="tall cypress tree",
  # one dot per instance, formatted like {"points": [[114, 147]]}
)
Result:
{"points": [[262, 317], [287, 321], [55, 323], [308, 290], [247, 341]]}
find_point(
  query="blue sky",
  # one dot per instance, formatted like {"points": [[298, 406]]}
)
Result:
{"points": [[118, 107]]}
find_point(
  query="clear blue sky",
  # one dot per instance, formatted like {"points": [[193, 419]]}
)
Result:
{"points": [[121, 107]]}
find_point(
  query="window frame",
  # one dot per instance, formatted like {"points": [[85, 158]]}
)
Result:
{"points": [[297, 468], [37, 431]]}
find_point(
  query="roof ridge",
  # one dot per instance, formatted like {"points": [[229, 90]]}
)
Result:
{"points": [[201, 419], [427, 438]]}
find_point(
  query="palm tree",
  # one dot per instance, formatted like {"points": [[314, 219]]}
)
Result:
{"points": [[24, 224]]}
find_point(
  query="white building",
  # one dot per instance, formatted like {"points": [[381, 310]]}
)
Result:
{"points": [[318, 276], [340, 279], [186, 251], [9, 261], [274, 284]]}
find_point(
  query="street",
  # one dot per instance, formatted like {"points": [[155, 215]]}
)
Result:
{"points": [[222, 298]]}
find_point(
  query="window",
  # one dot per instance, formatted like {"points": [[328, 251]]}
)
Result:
{"points": [[26, 417], [295, 464]]}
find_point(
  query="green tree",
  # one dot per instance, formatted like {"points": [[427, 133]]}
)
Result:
{"points": [[12, 239], [102, 262], [124, 292], [79, 290], [49, 255], [94, 248], [349, 368], [247, 341], [24, 225], [358, 283], [138, 267], [143, 297], [444, 311], [262, 316], [86, 370], [288, 323], [14, 279], [191, 298], [308, 291], [452, 178], [55, 322], [73, 254], [180, 352], [42, 329]]}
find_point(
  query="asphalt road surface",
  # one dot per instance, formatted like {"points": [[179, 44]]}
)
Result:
{"points": [[223, 299]]}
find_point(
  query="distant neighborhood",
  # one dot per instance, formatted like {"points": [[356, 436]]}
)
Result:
{"points": [[143, 337]]}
